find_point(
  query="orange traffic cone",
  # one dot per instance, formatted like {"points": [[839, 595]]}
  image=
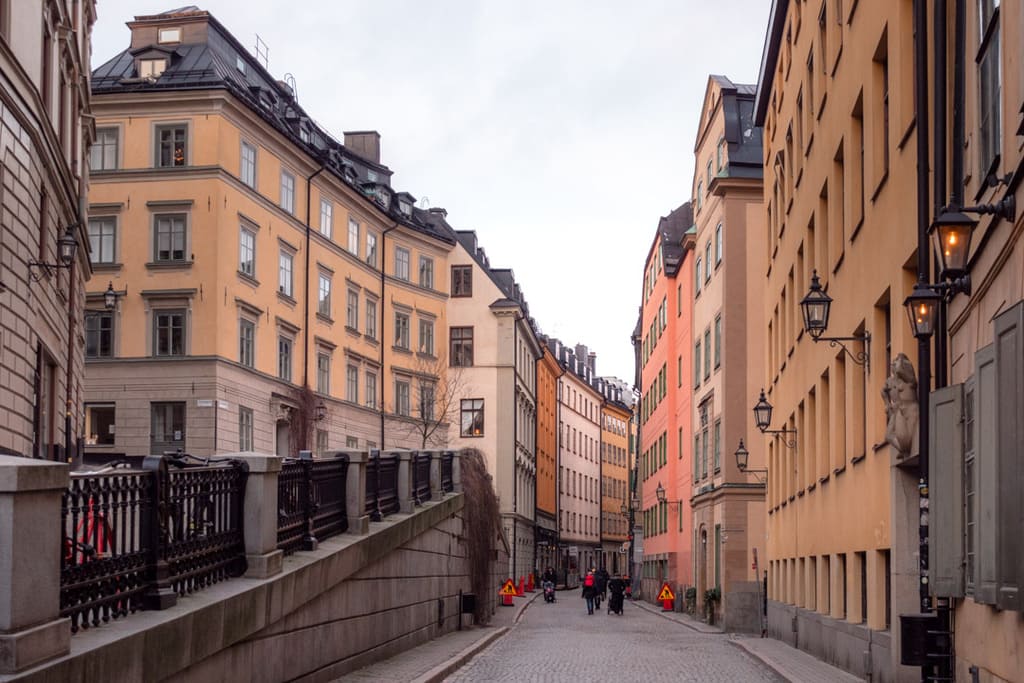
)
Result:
{"points": [[519, 590], [529, 583]]}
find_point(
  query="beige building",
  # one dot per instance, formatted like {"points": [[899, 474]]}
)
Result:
{"points": [[728, 505], [835, 100], [616, 413], [45, 132], [274, 292], [493, 356]]}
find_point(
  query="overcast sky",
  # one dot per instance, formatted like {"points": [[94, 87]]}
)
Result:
{"points": [[560, 131]]}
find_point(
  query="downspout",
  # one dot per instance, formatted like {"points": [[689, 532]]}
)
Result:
{"points": [[305, 322], [383, 256], [939, 153], [515, 448], [67, 376]]}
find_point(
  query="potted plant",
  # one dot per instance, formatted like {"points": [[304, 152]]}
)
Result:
{"points": [[691, 600], [712, 597]]}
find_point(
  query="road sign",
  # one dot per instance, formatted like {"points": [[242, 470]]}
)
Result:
{"points": [[508, 589], [666, 593]]}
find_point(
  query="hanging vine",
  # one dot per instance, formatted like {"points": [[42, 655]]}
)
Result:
{"points": [[481, 526]]}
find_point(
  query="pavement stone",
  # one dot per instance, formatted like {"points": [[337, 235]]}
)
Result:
{"points": [[792, 664]]}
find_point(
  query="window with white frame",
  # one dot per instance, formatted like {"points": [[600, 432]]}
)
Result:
{"points": [[169, 35], [323, 304], [246, 342], [990, 86], [171, 144], [100, 419], [371, 390], [371, 318], [287, 191], [401, 396], [169, 237], [697, 274], [353, 237], [352, 383], [245, 428], [326, 218], [103, 239], [285, 262], [719, 244], [103, 153], [284, 357], [248, 165], [323, 372], [169, 332], [426, 272], [371, 248], [401, 263], [471, 421], [99, 334], [352, 310], [427, 337], [247, 251], [402, 330], [428, 392]]}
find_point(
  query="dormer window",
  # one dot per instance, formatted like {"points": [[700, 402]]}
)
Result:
{"points": [[151, 68], [405, 207], [169, 35], [383, 196], [371, 176], [240, 64]]}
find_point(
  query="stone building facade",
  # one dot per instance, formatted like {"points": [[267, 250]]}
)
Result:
{"points": [[44, 139]]}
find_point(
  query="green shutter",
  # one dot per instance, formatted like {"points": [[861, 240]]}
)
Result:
{"points": [[945, 485], [1009, 326]]}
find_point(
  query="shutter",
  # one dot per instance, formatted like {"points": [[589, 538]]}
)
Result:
{"points": [[1010, 406], [945, 485], [987, 492]]}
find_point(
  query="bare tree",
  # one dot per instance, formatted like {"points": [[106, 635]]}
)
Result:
{"points": [[436, 401]]}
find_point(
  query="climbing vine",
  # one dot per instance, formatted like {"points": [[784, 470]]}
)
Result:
{"points": [[481, 526]]}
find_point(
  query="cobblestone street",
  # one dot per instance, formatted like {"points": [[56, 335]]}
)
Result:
{"points": [[560, 642]]}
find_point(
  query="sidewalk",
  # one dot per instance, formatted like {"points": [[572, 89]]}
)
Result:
{"points": [[680, 618], [434, 660]]}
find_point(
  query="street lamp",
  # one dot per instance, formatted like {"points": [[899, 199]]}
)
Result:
{"points": [[67, 245], [743, 457], [660, 493], [110, 297], [816, 307], [320, 413], [922, 308], [763, 418]]}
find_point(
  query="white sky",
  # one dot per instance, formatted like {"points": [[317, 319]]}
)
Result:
{"points": [[560, 131]]}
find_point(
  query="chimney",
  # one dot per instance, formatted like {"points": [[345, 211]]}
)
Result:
{"points": [[365, 143], [438, 211], [592, 362]]}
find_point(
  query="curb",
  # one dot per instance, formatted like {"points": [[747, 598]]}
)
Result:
{"points": [[706, 630], [767, 662], [441, 671]]}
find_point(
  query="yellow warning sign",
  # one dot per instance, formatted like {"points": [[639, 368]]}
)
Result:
{"points": [[666, 593], [508, 589]]}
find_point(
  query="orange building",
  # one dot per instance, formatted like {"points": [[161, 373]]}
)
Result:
{"points": [[664, 460], [548, 372]]}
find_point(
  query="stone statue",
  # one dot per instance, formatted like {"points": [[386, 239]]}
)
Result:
{"points": [[901, 408]]}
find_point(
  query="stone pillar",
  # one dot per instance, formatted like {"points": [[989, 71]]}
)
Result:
{"points": [[355, 493], [405, 499], [435, 474], [457, 471], [31, 629], [260, 519]]}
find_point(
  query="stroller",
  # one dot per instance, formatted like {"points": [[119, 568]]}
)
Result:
{"points": [[617, 587]]}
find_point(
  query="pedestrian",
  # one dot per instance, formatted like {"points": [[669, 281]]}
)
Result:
{"points": [[589, 591], [601, 578]]}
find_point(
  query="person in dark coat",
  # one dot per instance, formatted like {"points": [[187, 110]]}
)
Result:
{"points": [[601, 578], [617, 587], [589, 591]]}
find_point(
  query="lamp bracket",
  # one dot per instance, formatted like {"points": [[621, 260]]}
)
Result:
{"points": [[862, 358], [44, 269], [784, 432], [756, 471], [1004, 208]]}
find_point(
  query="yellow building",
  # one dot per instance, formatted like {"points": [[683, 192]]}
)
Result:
{"points": [[548, 430], [615, 499], [253, 256], [835, 100]]}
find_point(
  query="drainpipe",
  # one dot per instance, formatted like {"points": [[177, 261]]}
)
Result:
{"points": [[515, 448], [305, 324], [939, 78], [68, 361], [383, 252]]}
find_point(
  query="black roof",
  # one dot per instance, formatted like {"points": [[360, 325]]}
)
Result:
{"points": [[742, 135], [222, 63], [671, 229]]}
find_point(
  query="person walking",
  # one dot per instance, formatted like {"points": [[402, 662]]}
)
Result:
{"points": [[589, 591]]}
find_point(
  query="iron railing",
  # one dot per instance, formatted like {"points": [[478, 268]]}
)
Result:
{"points": [[381, 485], [421, 477], [311, 502], [133, 539], [447, 471]]}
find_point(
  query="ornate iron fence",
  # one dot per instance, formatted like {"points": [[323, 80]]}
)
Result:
{"points": [[381, 485], [311, 502], [447, 468], [421, 477]]}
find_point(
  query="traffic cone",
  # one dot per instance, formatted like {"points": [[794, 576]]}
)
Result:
{"points": [[519, 589], [506, 600], [529, 583]]}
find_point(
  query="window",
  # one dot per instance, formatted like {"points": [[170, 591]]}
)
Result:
{"points": [[719, 246], [427, 399], [169, 238], [717, 455], [167, 426], [284, 358], [352, 383], [697, 275], [707, 262], [244, 429], [103, 153], [326, 219], [351, 442], [402, 396], [709, 175], [99, 334], [247, 251], [472, 417], [427, 337], [700, 193], [718, 340], [352, 310], [371, 319], [401, 263], [287, 191], [426, 272], [246, 342], [353, 237], [371, 248], [462, 280], [322, 442], [323, 302], [169, 333], [284, 273], [990, 86], [371, 390], [152, 68], [103, 239], [171, 144], [99, 424], [169, 35], [462, 347], [720, 153], [402, 330], [248, 165], [323, 373], [707, 354], [696, 365]]}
